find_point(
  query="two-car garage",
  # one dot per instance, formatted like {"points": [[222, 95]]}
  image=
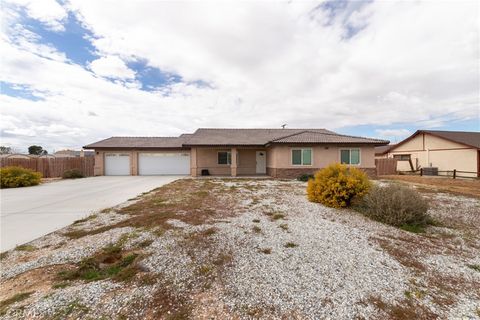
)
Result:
{"points": [[163, 163], [147, 163]]}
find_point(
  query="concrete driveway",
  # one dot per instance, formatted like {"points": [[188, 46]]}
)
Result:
{"points": [[28, 213]]}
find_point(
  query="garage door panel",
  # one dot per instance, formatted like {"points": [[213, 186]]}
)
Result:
{"points": [[117, 164], [163, 163]]}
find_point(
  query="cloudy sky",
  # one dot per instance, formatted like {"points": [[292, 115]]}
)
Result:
{"points": [[76, 71]]}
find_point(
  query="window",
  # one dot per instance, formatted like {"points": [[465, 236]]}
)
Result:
{"points": [[224, 157], [350, 156], [402, 157], [302, 157]]}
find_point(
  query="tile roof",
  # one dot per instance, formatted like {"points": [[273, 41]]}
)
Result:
{"points": [[224, 137], [233, 137], [139, 142], [322, 137], [470, 138]]}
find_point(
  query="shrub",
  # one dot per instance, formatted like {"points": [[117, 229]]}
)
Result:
{"points": [[14, 177], [72, 174], [305, 177], [395, 205], [337, 185]]}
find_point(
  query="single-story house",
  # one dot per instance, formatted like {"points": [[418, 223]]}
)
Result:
{"points": [[445, 150], [280, 153], [73, 153]]}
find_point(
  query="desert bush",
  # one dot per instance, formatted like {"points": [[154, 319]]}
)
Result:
{"points": [[305, 177], [72, 174], [337, 185], [395, 205], [14, 177]]}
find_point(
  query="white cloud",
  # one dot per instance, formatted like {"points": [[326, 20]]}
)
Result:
{"points": [[49, 12], [267, 63], [112, 67]]}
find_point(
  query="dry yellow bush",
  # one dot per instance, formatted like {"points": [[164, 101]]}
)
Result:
{"points": [[337, 185]]}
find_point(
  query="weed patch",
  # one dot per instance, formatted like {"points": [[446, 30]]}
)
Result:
{"points": [[61, 285], [74, 307], [475, 267], [256, 229], [110, 263], [5, 304], [26, 247], [91, 217], [266, 250], [290, 245], [278, 216]]}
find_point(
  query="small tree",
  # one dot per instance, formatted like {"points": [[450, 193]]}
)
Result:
{"points": [[37, 150], [5, 150]]}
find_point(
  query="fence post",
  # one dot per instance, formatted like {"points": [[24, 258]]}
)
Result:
{"points": [[454, 173], [421, 172]]}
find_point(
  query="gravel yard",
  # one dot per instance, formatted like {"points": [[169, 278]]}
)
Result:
{"points": [[243, 249]]}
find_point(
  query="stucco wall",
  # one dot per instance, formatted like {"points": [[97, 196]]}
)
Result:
{"points": [[280, 156], [99, 168], [206, 158]]}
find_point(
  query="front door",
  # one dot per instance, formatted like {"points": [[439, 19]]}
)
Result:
{"points": [[261, 157]]}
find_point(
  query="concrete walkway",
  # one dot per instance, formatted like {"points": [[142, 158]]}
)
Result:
{"points": [[28, 213]]}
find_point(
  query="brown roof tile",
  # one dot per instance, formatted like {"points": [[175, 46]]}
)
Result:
{"points": [[233, 137], [223, 137], [322, 137], [139, 142]]}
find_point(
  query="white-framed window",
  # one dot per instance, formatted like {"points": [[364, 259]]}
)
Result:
{"points": [[224, 157], [302, 157], [350, 156]]}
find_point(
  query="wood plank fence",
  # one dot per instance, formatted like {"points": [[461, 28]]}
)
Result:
{"points": [[386, 166], [52, 167]]}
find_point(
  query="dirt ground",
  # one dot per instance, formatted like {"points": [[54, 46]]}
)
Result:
{"points": [[470, 187], [247, 249]]}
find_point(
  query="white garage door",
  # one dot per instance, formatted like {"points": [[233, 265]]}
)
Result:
{"points": [[163, 163], [117, 164]]}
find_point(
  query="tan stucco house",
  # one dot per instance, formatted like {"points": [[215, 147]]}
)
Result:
{"points": [[445, 150], [280, 153]]}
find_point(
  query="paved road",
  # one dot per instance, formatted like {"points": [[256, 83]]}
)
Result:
{"points": [[28, 213]]}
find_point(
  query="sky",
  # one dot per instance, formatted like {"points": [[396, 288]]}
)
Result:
{"points": [[77, 71]]}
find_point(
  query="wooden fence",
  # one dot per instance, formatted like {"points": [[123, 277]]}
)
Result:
{"points": [[386, 166], [444, 173], [52, 167]]}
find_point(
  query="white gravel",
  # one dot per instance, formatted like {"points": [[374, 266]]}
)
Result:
{"points": [[334, 267]]}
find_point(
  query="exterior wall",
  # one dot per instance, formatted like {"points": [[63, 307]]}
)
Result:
{"points": [[279, 159], [247, 161], [206, 158], [99, 168], [293, 173], [426, 150]]}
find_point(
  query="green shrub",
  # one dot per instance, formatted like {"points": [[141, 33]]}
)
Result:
{"points": [[395, 205], [72, 174], [305, 177], [337, 185], [14, 177]]}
